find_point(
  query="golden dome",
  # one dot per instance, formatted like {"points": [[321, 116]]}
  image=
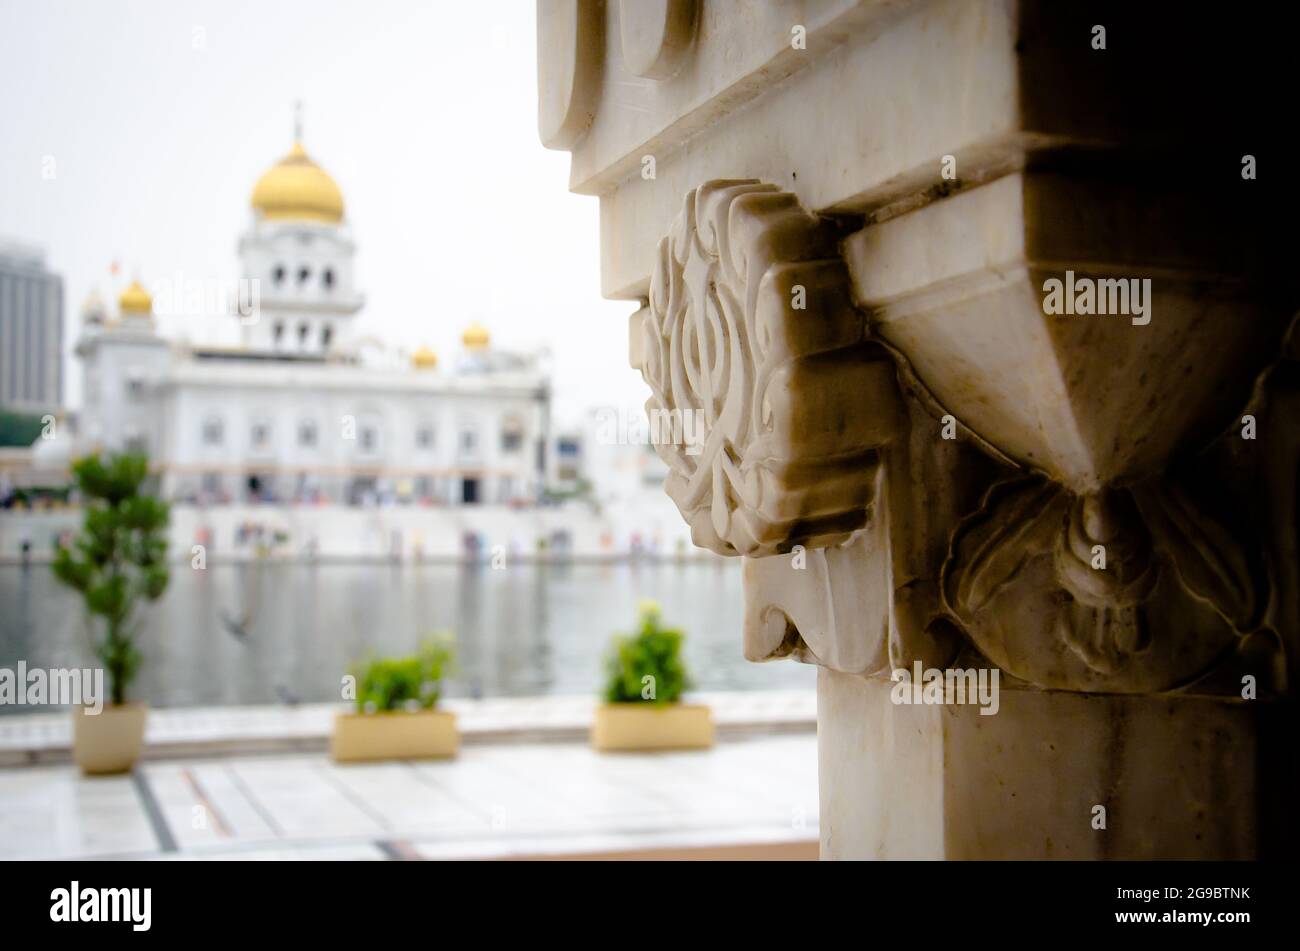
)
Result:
{"points": [[475, 337], [424, 359], [135, 300], [296, 188]]}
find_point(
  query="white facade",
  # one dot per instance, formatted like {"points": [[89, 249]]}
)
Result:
{"points": [[307, 301], [346, 433]]}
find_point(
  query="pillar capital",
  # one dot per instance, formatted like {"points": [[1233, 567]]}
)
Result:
{"points": [[996, 369]]}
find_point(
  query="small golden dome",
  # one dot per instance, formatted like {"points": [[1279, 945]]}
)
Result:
{"points": [[424, 359], [135, 300], [475, 337], [296, 188]]}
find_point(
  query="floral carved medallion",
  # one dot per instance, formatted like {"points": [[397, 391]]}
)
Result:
{"points": [[750, 330], [1127, 591]]}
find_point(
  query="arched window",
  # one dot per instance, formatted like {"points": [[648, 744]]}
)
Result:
{"points": [[213, 431], [512, 435], [307, 433], [424, 436], [260, 434], [328, 279], [304, 272], [303, 330], [365, 431], [277, 275], [326, 335]]}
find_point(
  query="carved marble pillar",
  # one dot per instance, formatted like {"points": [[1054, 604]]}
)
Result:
{"points": [[992, 356]]}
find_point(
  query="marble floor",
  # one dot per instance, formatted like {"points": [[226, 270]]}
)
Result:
{"points": [[493, 801]]}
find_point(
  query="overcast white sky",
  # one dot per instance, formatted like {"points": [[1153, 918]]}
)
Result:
{"points": [[423, 112]]}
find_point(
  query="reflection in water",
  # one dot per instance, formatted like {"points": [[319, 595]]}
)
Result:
{"points": [[269, 632]]}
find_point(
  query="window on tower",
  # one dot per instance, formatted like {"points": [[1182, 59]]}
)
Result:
{"points": [[328, 279], [512, 436], [304, 272], [277, 275]]}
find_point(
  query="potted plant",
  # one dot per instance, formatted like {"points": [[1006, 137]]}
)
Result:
{"points": [[646, 679], [118, 560], [395, 716]]}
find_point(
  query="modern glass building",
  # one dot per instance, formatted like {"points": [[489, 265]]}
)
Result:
{"points": [[31, 331]]}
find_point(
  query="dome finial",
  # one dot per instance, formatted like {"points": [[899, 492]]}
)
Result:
{"points": [[297, 120]]}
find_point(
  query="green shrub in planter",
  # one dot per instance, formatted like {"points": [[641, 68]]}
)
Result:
{"points": [[119, 559], [647, 667], [405, 683]]}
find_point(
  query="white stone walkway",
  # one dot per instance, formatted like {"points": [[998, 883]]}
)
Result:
{"points": [[494, 801], [203, 731]]}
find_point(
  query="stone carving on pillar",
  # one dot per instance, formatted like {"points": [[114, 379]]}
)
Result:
{"points": [[570, 54], [807, 439], [656, 35], [751, 328], [1119, 592], [1041, 551]]}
